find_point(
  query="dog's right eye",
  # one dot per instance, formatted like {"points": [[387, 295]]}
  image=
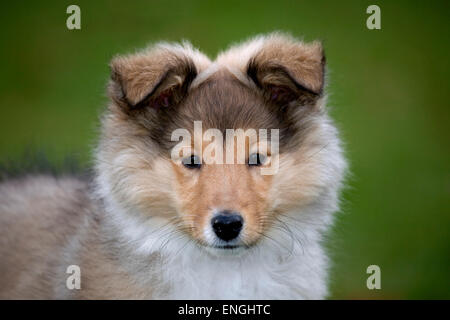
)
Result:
{"points": [[192, 162], [256, 159]]}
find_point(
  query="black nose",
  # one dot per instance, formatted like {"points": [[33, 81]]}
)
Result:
{"points": [[227, 225]]}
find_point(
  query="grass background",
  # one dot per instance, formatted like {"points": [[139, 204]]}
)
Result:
{"points": [[389, 94]]}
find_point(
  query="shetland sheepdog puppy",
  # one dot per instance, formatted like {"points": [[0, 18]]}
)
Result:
{"points": [[213, 180]]}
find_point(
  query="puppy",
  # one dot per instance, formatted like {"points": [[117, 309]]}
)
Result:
{"points": [[213, 180]]}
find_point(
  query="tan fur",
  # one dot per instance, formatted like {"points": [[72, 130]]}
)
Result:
{"points": [[223, 187], [47, 224], [305, 61], [139, 73]]}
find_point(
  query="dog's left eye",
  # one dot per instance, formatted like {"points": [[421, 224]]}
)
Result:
{"points": [[256, 159], [192, 162]]}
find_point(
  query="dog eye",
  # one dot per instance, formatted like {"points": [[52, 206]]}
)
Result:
{"points": [[256, 159], [192, 162]]}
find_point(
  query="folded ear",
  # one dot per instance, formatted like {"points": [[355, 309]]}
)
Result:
{"points": [[285, 69], [288, 70], [157, 77]]}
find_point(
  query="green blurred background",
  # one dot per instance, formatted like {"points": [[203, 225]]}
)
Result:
{"points": [[389, 94]]}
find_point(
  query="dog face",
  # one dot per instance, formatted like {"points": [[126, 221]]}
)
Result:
{"points": [[259, 106]]}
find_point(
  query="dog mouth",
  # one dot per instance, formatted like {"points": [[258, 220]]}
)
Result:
{"points": [[226, 250], [227, 247]]}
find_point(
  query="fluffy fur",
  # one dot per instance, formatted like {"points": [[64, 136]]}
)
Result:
{"points": [[141, 230]]}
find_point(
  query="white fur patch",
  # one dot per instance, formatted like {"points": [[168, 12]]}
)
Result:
{"points": [[289, 263], [292, 266]]}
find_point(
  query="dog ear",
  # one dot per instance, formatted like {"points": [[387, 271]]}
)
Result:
{"points": [[287, 70], [157, 78]]}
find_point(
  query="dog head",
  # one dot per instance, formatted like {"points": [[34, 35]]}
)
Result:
{"points": [[221, 151]]}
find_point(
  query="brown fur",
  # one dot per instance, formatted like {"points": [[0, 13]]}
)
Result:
{"points": [[48, 224]]}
